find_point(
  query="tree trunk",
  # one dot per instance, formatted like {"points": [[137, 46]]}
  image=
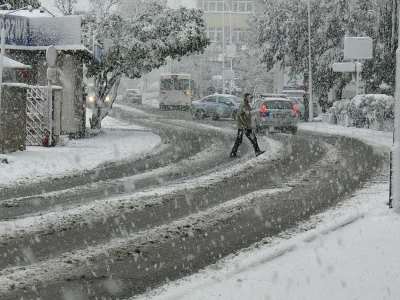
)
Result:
{"points": [[101, 110], [95, 121]]}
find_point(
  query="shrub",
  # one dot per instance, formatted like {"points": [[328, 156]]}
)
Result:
{"points": [[365, 110]]}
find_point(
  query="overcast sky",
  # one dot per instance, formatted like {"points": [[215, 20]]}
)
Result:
{"points": [[177, 3]]}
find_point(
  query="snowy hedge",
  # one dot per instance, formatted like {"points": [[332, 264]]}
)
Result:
{"points": [[368, 111]]}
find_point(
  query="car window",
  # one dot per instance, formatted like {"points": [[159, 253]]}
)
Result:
{"points": [[132, 92], [212, 99], [223, 100], [236, 99], [257, 104], [277, 104]]}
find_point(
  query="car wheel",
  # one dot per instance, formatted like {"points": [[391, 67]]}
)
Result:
{"points": [[293, 130], [300, 115], [215, 117], [200, 114]]}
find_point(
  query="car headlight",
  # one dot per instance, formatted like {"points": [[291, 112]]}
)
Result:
{"points": [[91, 99], [108, 99]]}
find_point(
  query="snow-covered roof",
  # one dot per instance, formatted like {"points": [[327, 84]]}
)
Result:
{"points": [[43, 48], [13, 64], [36, 13]]}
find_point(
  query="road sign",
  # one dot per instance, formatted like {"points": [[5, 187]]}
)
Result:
{"points": [[51, 56], [97, 51], [229, 74], [346, 67], [231, 51], [357, 48]]}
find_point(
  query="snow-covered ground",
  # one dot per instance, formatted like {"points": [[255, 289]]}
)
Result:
{"points": [[351, 252], [118, 141]]}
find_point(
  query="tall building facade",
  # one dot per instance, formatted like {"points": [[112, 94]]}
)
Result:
{"points": [[235, 13]]}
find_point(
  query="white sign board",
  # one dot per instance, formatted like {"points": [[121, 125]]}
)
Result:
{"points": [[346, 67], [357, 48], [229, 74], [217, 77], [291, 79], [231, 51], [51, 56]]}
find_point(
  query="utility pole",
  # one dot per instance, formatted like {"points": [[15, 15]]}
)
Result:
{"points": [[310, 98], [223, 47]]}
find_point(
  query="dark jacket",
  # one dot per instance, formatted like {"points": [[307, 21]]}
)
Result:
{"points": [[244, 116]]}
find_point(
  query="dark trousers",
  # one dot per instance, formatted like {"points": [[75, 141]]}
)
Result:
{"points": [[239, 139]]}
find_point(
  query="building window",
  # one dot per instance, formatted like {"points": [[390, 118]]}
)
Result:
{"points": [[214, 34], [244, 6], [213, 5], [241, 35]]}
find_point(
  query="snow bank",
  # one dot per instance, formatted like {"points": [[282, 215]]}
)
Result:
{"points": [[118, 142]]}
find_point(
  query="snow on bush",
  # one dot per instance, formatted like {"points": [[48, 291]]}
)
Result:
{"points": [[371, 110]]}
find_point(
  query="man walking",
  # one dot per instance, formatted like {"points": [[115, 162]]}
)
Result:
{"points": [[243, 117]]}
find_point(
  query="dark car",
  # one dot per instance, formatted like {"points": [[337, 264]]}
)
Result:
{"points": [[133, 96], [91, 97], [216, 106]]}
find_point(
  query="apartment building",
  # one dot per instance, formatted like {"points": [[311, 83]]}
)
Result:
{"points": [[234, 13]]}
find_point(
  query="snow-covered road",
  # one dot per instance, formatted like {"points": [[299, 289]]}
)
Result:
{"points": [[186, 209]]}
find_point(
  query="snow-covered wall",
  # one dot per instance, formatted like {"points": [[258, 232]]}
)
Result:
{"points": [[41, 31], [54, 31]]}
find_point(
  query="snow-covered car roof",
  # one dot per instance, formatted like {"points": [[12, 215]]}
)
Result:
{"points": [[224, 95], [275, 99]]}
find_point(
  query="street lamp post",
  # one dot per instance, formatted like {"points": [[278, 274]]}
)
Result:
{"points": [[310, 99], [223, 47], [230, 42], [223, 41]]}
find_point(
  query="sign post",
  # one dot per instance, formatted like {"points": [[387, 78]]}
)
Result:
{"points": [[356, 48], [51, 58], [3, 49]]}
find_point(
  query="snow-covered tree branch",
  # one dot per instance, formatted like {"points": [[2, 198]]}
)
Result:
{"points": [[66, 7], [132, 48], [282, 26], [15, 4]]}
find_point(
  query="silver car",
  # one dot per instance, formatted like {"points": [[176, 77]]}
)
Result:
{"points": [[272, 114], [215, 106], [298, 102]]}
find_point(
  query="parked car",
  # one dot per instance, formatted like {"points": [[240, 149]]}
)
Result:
{"points": [[133, 96], [298, 102], [216, 106], [270, 114]]}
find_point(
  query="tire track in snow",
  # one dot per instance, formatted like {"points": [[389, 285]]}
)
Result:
{"points": [[55, 221], [74, 264]]}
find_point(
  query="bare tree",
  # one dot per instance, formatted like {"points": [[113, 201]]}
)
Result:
{"points": [[66, 7]]}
